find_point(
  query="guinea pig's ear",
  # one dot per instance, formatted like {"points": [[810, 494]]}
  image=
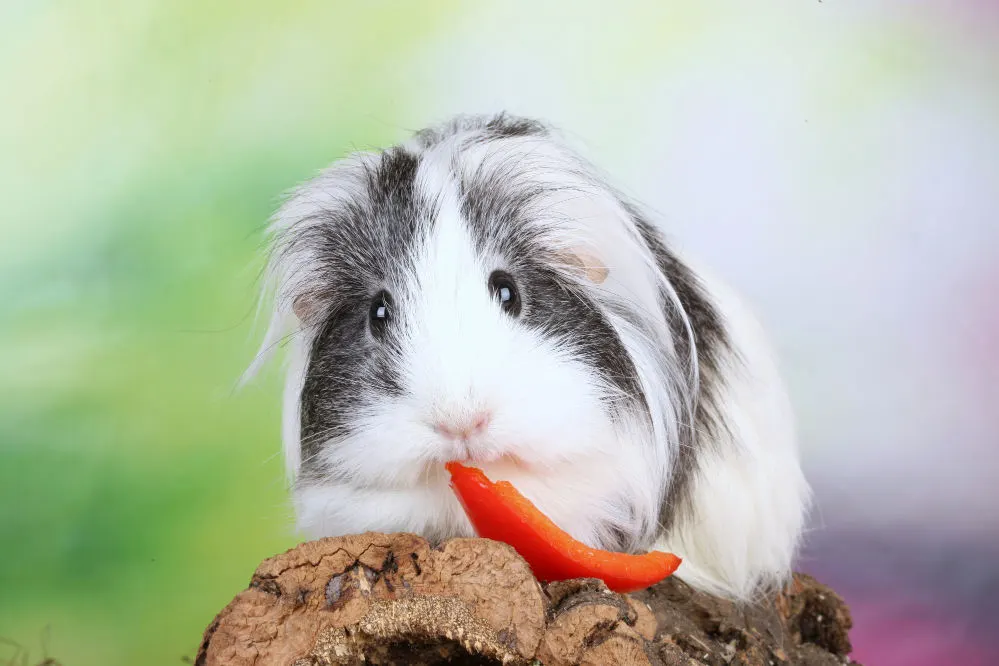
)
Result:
{"points": [[305, 307], [588, 263]]}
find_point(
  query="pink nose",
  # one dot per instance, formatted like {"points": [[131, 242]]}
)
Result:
{"points": [[463, 428]]}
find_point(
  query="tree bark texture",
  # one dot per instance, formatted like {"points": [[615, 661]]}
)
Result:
{"points": [[395, 599]]}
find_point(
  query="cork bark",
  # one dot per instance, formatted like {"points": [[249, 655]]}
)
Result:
{"points": [[394, 599]]}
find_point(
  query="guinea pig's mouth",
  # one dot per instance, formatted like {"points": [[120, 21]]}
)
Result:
{"points": [[501, 460]]}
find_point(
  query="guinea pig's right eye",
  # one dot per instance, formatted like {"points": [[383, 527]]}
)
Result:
{"points": [[504, 290], [380, 313]]}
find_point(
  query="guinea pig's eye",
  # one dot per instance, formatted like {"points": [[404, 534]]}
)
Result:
{"points": [[504, 290], [380, 313]]}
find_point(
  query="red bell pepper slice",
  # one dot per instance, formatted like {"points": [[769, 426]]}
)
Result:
{"points": [[498, 511]]}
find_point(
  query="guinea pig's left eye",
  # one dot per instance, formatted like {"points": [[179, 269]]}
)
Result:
{"points": [[504, 290]]}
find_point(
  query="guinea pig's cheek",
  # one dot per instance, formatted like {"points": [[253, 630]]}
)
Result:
{"points": [[560, 419], [539, 448], [387, 447]]}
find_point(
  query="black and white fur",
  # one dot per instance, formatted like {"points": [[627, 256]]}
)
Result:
{"points": [[628, 395]]}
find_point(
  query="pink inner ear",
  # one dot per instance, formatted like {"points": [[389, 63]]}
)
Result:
{"points": [[303, 306], [590, 264]]}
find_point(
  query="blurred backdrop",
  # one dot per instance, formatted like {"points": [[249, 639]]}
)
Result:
{"points": [[837, 161]]}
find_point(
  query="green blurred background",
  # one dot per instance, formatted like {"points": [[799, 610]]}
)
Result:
{"points": [[836, 160]]}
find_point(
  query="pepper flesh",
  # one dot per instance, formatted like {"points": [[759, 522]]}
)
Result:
{"points": [[499, 512]]}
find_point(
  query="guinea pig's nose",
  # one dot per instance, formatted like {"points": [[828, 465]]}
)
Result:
{"points": [[463, 426]]}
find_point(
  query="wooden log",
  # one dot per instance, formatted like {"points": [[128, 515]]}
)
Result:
{"points": [[394, 599]]}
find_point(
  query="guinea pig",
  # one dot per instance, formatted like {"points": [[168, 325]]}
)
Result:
{"points": [[481, 293]]}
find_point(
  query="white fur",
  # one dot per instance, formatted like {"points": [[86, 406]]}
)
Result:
{"points": [[750, 497], [548, 432]]}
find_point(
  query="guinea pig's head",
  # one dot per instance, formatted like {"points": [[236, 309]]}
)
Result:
{"points": [[474, 294]]}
